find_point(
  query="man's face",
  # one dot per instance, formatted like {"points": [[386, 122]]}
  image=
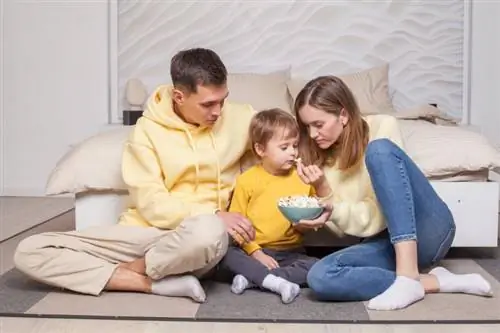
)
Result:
{"points": [[203, 107]]}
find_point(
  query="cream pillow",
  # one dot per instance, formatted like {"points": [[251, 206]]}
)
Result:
{"points": [[447, 150], [93, 164], [262, 91], [370, 88]]}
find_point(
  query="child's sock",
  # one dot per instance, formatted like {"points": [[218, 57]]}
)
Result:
{"points": [[473, 284], [240, 284], [402, 293], [288, 290], [180, 286]]}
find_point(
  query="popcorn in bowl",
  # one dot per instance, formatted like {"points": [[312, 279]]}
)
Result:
{"points": [[300, 207], [299, 201]]}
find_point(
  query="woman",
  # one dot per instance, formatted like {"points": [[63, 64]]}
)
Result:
{"points": [[372, 190]]}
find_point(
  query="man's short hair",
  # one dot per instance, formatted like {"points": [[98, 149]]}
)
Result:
{"points": [[197, 66]]}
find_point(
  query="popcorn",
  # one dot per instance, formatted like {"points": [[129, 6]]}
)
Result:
{"points": [[299, 201]]}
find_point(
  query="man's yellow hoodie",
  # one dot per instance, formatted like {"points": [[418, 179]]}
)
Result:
{"points": [[175, 170]]}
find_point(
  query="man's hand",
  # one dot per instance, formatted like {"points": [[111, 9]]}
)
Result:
{"points": [[318, 222], [264, 259], [239, 227]]}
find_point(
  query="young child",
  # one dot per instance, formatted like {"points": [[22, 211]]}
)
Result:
{"points": [[275, 260]]}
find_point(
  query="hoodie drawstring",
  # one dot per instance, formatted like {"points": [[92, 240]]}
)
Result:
{"points": [[214, 144], [197, 162], [197, 165]]}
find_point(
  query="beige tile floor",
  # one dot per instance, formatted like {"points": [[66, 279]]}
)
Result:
{"points": [[18, 214], [36, 325]]}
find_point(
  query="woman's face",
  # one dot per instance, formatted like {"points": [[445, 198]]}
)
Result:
{"points": [[323, 127]]}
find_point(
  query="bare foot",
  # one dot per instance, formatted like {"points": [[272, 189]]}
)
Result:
{"points": [[138, 266], [124, 279]]}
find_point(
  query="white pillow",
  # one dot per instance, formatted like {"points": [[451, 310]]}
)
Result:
{"points": [[447, 150], [93, 164]]}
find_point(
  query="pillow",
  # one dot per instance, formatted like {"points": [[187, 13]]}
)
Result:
{"points": [[94, 163], [447, 150], [262, 91], [370, 88]]}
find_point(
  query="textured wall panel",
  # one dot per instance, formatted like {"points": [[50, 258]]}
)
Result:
{"points": [[422, 41]]}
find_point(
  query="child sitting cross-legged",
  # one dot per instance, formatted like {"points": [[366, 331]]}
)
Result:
{"points": [[275, 260]]}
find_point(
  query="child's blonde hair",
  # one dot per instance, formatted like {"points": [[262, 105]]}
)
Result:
{"points": [[266, 123]]}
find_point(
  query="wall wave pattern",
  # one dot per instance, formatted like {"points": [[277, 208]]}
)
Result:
{"points": [[422, 41]]}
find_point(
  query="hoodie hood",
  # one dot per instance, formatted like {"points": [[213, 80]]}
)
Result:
{"points": [[160, 109]]}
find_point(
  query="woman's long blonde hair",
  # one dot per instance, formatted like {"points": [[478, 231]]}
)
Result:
{"points": [[330, 94]]}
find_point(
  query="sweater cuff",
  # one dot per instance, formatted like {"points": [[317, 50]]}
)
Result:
{"points": [[326, 199], [250, 248]]}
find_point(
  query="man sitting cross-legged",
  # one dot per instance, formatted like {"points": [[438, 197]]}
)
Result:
{"points": [[179, 164]]}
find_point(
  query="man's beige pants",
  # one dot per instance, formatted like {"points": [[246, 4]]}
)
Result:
{"points": [[84, 261]]}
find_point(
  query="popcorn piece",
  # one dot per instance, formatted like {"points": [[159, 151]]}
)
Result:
{"points": [[299, 201]]}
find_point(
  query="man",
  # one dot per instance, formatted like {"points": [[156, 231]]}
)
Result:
{"points": [[179, 164]]}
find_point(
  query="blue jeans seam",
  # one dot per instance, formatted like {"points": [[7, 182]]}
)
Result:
{"points": [[409, 194]]}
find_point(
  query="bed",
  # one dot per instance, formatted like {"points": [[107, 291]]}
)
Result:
{"points": [[458, 161]]}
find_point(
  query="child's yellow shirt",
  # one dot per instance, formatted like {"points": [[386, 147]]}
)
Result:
{"points": [[256, 195]]}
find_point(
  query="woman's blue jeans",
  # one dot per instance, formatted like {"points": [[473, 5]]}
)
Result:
{"points": [[413, 211]]}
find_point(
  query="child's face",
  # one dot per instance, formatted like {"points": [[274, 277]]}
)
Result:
{"points": [[280, 152]]}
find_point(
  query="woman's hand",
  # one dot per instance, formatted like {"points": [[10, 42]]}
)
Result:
{"points": [[314, 176], [317, 223]]}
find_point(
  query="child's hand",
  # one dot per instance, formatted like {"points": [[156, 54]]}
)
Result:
{"points": [[265, 260]]}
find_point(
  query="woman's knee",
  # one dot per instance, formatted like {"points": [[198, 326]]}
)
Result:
{"points": [[380, 149], [325, 280], [316, 277]]}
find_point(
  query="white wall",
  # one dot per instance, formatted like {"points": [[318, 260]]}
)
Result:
{"points": [[56, 85], [1, 98], [485, 69], [55, 69], [314, 38]]}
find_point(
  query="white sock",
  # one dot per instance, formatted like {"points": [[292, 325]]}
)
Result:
{"points": [[179, 286], [473, 284], [288, 290], [402, 293], [240, 283]]}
